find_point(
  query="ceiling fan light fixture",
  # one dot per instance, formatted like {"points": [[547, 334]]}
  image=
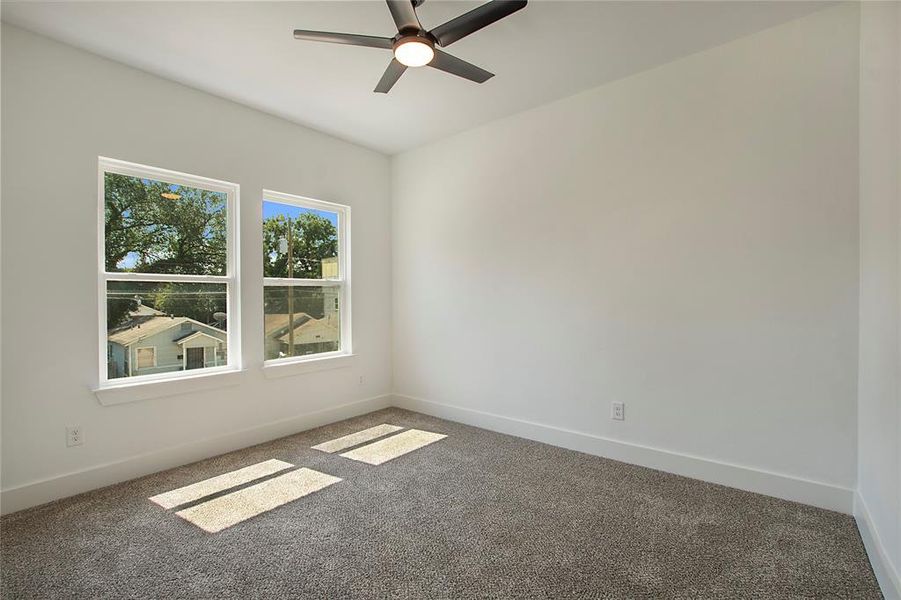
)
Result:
{"points": [[414, 52], [414, 46]]}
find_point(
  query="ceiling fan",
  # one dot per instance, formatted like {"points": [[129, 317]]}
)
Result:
{"points": [[413, 46]]}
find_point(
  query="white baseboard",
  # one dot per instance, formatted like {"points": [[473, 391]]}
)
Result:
{"points": [[815, 493], [888, 576], [69, 484]]}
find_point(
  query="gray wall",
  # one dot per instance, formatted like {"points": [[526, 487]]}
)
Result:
{"points": [[684, 240], [62, 108], [879, 387]]}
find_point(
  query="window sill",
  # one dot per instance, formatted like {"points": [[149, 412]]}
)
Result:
{"points": [[300, 366], [120, 393]]}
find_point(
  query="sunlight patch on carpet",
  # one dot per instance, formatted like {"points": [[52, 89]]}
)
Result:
{"points": [[359, 437], [390, 448], [223, 512], [220, 483]]}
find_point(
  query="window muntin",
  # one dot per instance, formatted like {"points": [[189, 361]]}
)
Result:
{"points": [[168, 273], [306, 278]]}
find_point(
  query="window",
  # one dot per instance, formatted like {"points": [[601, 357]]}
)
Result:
{"points": [[306, 283], [146, 358], [168, 273]]}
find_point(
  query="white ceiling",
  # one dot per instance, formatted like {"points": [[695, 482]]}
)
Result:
{"points": [[245, 51]]}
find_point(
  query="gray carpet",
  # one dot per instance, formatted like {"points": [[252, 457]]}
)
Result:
{"points": [[475, 515]]}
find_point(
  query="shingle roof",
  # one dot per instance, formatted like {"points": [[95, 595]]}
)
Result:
{"points": [[192, 333], [145, 311], [141, 327], [277, 321], [309, 323]]}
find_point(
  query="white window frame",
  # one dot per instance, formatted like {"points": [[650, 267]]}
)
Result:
{"points": [[231, 279], [342, 282]]}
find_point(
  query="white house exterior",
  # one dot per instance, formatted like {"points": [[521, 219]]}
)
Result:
{"points": [[311, 336], [155, 343]]}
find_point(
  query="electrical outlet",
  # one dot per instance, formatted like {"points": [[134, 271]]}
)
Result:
{"points": [[617, 411], [74, 436], [361, 380]]}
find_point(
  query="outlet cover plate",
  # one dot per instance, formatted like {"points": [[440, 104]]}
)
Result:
{"points": [[617, 411], [74, 436]]}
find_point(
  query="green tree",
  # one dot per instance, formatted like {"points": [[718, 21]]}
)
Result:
{"points": [[307, 299], [196, 301], [182, 233], [315, 238], [117, 310], [127, 213]]}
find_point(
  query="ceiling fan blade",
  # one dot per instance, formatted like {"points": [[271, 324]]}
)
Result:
{"points": [[343, 38], [455, 66], [404, 15], [392, 74], [475, 19]]}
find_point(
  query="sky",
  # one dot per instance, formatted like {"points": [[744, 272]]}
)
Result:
{"points": [[273, 209], [129, 262]]}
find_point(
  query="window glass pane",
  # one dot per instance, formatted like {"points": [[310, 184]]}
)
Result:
{"points": [[164, 327], [299, 242], [157, 227], [314, 314]]}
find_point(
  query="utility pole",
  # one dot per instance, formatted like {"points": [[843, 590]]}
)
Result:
{"points": [[290, 290]]}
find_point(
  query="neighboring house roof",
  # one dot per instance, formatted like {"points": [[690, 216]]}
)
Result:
{"points": [[194, 334], [145, 311], [276, 324], [141, 327], [304, 324]]}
